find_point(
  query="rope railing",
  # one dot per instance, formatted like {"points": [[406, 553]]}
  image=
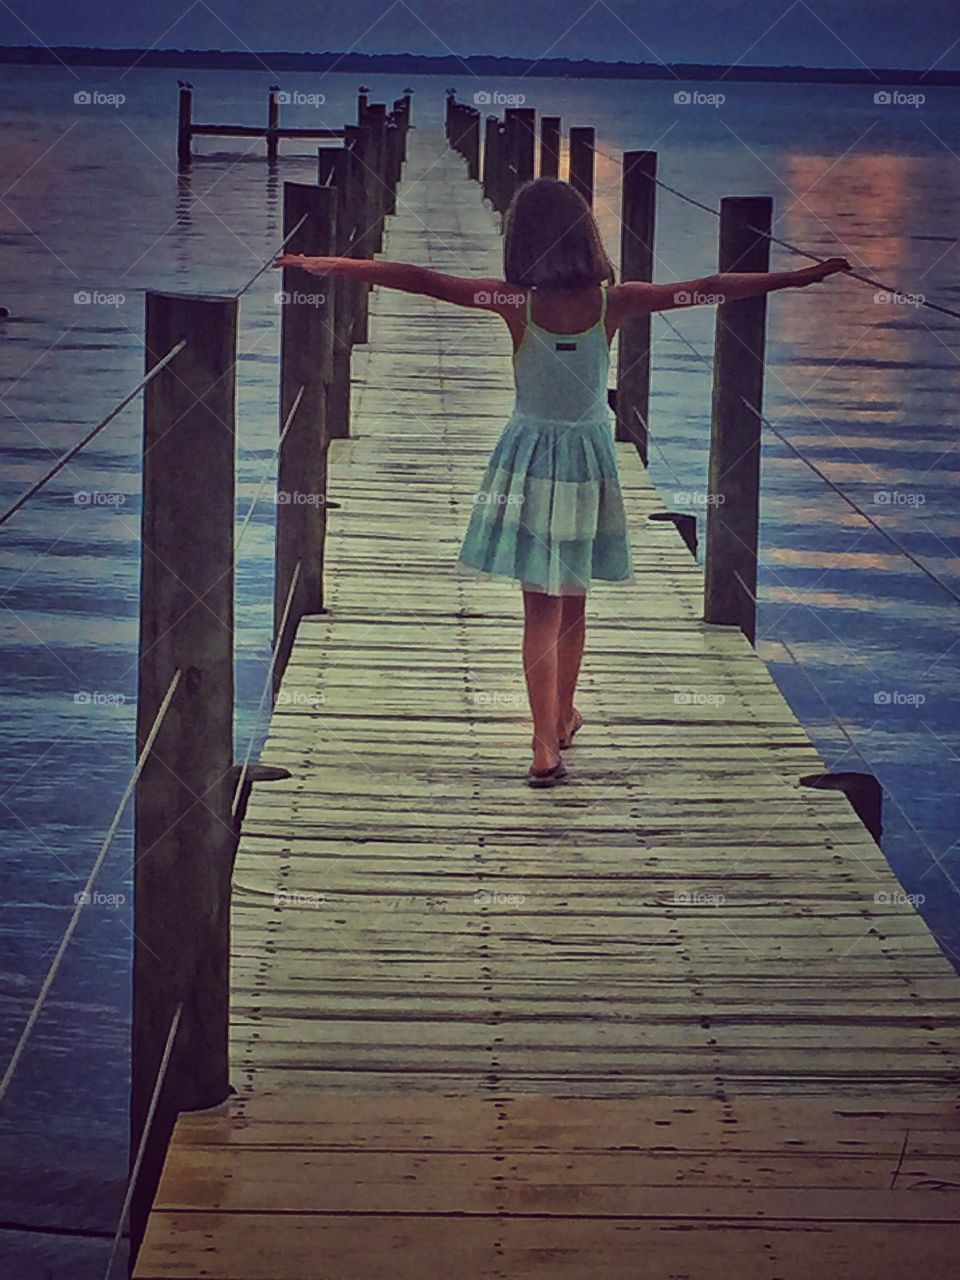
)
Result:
{"points": [[144, 1136], [268, 262], [271, 666], [268, 470], [84, 897], [854, 506], [131, 395], [104, 422], [804, 253]]}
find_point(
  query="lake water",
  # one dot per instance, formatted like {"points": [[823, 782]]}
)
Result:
{"points": [[868, 389]]}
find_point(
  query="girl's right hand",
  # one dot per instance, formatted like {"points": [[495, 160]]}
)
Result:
{"points": [[820, 270]]}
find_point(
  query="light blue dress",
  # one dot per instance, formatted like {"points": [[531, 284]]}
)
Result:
{"points": [[549, 512]]}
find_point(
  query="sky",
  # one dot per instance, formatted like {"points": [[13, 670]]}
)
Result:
{"points": [[920, 34]]}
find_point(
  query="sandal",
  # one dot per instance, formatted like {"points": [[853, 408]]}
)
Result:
{"points": [[578, 724], [546, 777]]}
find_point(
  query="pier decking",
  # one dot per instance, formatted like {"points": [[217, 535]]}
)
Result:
{"points": [[670, 1019]]}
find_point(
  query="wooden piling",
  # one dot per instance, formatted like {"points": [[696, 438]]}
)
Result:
{"points": [[734, 473], [375, 119], [184, 838], [472, 144], [333, 171], [184, 122], [306, 360], [521, 131], [637, 225], [391, 151], [549, 146], [582, 145], [273, 124], [490, 139], [360, 144]]}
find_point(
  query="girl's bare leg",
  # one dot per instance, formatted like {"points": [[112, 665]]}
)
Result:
{"points": [[541, 618], [573, 630]]}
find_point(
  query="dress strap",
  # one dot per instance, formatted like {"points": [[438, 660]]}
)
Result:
{"points": [[529, 306], [603, 302]]}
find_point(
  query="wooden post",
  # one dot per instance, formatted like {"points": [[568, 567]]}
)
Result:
{"points": [[522, 124], [549, 146], [362, 100], [333, 171], [490, 157], [375, 119], [391, 151], [184, 121], [184, 838], [306, 360], [637, 224], [734, 475], [582, 142], [273, 123], [407, 100], [505, 177], [358, 141], [472, 145]]}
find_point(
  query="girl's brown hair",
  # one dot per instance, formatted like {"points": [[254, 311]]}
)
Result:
{"points": [[551, 239]]}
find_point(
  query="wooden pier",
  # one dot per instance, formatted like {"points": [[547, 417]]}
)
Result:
{"points": [[674, 1018]]}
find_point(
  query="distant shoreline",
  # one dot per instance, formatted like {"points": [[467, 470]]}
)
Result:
{"points": [[452, 67]]}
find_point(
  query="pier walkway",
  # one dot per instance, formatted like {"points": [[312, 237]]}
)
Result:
{"points": [[671, 1019]]}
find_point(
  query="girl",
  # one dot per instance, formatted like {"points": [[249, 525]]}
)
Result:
{"points": [[549, 513]]}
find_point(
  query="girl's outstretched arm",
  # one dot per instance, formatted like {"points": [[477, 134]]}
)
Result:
{"points": [[639, 298], [464, 291]]}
